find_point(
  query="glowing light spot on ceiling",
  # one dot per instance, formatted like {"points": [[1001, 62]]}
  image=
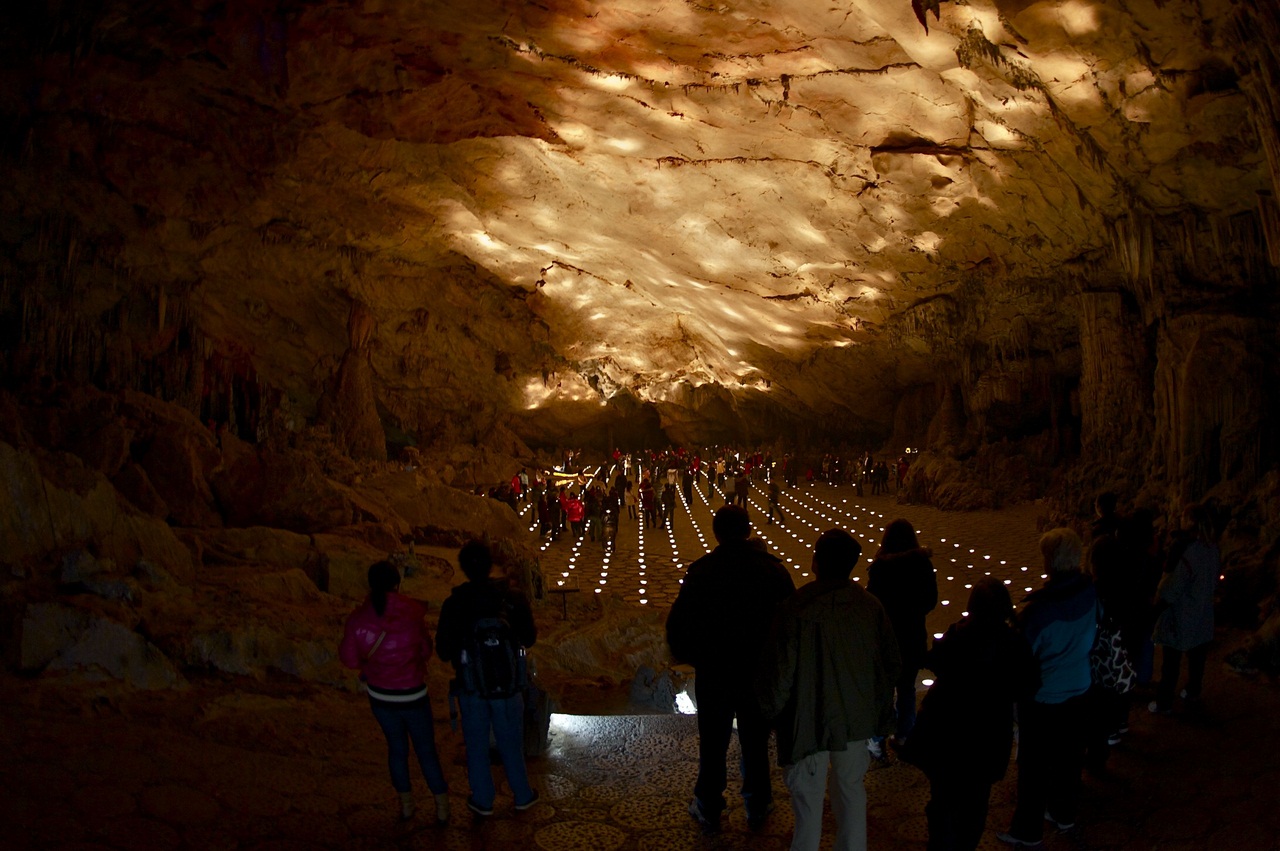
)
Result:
{"points": [[1078, 18], [627, 146], [927, 242], [612, 82]]}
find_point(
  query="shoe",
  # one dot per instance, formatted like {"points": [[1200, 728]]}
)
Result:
{"points": [[709, 824], [1114, 738], [529, 803], [479, 810], [1010, 839], [442, 809], [407, 806], [875, 748], [1122, 729], [1060, 825], [1155, 708], [756, 820]]}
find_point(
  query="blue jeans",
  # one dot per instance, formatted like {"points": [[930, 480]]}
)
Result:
{"points": [[505, 718], [400, 724]]}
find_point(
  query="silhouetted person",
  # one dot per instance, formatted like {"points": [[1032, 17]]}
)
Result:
{"points": [[775, 500], [828, 681], [964, 734], [719, 624], [483, 610], [1185, 601], [901, 576], [1106, 520]]}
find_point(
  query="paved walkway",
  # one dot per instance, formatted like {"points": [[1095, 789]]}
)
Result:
{"points": [[286, 767]]}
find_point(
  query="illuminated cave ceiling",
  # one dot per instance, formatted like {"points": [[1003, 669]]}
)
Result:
{"points": [[540, 208]]}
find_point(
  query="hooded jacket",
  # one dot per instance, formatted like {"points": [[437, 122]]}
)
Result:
{"points": [[396, 671], [827, 678]]}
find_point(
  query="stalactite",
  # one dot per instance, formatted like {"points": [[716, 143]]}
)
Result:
{"points": [[1269, 219], [1134, 246]]}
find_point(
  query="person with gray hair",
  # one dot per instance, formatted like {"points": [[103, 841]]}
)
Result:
{"points": [[827, 682], [1059, 621]]}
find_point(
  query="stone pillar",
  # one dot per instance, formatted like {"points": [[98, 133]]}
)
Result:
{"points": [[353, 411], [1115, 382], [1216, 412]]}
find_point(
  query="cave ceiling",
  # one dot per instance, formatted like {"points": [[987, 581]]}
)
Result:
{"points": [[544, 209]]}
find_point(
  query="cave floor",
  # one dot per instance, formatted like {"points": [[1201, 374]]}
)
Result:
{"points": [[232, 763], [284, 765]]}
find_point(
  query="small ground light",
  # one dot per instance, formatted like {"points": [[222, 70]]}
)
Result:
{"points": [[926, 683], [937, 635], [946, 602]]}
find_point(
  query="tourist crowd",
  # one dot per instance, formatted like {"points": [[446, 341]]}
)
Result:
{"points": [[829, 668]]}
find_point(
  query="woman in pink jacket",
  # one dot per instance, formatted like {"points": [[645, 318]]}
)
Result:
{"points": [[387, 641]]}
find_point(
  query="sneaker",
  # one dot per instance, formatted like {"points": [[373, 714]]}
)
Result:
{"points": [[756, 820], [709, 824], [1155, 708], [442, 808], [1122, 729], [407, 806], [479, 810], [1010, 839], [529, 803], [1114, 738], [1060, 825]]}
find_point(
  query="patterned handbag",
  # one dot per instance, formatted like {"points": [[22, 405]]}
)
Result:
{"points": [[1109, 661]]}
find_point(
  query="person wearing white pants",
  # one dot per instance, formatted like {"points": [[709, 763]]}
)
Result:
{"points": [[808, 781], [827, 684]]}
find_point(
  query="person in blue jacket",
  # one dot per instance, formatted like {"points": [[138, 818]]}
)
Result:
{"points": [[1059, 621]]}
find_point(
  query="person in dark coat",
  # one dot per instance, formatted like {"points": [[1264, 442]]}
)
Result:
{"points": [[964, 735], [719, 624], [501, 719], [901, 576]]}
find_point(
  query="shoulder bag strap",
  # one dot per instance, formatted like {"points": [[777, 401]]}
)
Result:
{"points": [[376, 645]]}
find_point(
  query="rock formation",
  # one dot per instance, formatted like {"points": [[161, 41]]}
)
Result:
{"points": [[249, 251]]}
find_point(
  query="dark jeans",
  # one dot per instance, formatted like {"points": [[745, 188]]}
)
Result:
{"points": [[1108, 711], [1171, 664], [505, 719], [957, 811], [1051, 740], [722, 697], [400, 724]]}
